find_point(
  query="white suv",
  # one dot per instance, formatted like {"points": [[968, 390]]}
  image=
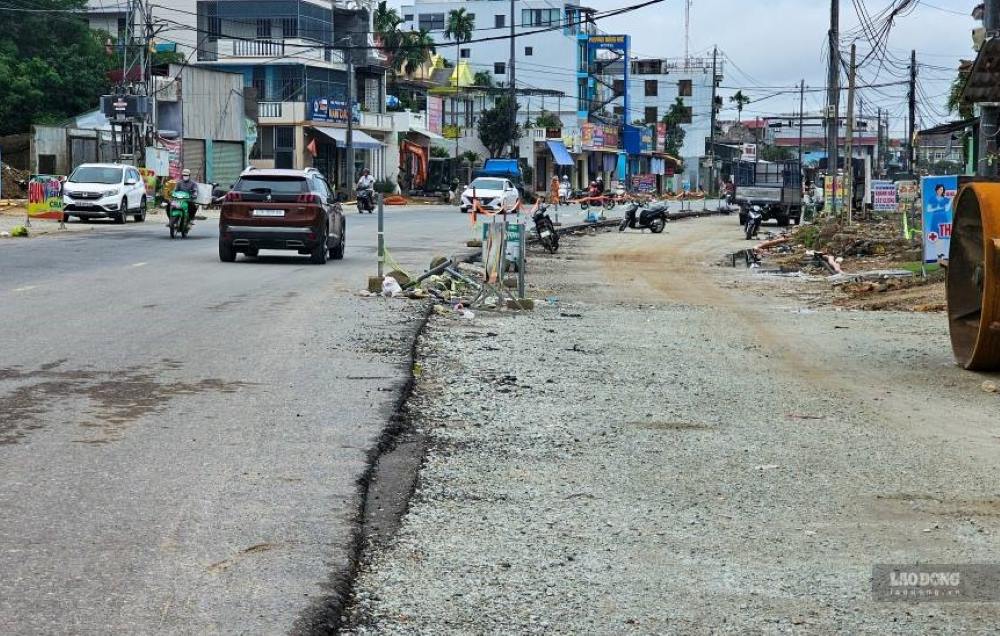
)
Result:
{"points": [[99, 190]]}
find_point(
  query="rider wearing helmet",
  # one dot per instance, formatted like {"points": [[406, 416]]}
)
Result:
{"points": [[187, 184]]}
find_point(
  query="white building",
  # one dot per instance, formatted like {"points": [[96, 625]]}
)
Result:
{"points": [[654, 86], [544, 61]]}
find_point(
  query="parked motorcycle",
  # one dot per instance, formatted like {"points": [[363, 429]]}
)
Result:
{"points": [[366, 201], [754, 216], [179, 214], [545, 229], [639, 217]]}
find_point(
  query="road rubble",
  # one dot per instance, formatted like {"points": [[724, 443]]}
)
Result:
{"points": [[656, 450]]}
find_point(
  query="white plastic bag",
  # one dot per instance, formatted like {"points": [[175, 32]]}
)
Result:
{"points": [[390, 286]]}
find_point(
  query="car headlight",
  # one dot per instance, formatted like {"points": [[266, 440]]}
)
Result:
{"points": [[110, 193]]}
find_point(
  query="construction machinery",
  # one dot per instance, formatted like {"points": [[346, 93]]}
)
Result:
{"points": [[974, 277]]}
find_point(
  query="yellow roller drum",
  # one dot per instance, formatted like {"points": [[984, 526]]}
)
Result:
{"points": [[974, 277]]}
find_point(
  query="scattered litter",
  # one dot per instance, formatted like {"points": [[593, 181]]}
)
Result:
{"points": [[766, 467], [990, 387], [565, 314], [4, 234], [390, 286]]}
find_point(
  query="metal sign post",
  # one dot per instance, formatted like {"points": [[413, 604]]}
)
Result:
{"points": [[381, 236]]}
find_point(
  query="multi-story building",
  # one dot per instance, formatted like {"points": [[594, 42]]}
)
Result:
{"points": [[293, 55], [655, 84]]}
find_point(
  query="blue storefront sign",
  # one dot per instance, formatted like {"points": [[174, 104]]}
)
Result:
{"points": [[936, 195], [332, 110]]}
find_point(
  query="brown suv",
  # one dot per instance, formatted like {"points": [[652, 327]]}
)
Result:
{"points": [[281, 210]]}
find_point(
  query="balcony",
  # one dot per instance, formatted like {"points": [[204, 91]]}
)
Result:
{"points": [[280, 113], [376, 121], [273, 50]]}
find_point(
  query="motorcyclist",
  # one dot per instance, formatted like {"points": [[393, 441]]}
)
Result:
{"points": [[187, 184], [366, 185]]}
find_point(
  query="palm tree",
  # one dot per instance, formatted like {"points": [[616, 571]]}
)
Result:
{"points": [[459, 29], [740, 100], [386, 23], [416, 50]]}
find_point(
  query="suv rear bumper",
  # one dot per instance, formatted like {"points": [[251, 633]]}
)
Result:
{"points": [[270, 238]]}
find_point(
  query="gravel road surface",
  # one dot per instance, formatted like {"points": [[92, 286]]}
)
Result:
{"points": [[670, 447], [180, 439]]}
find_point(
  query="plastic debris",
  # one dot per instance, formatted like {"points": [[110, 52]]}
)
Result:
{"points": [[390, 286]]}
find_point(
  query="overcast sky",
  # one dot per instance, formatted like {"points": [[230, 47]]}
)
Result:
{"points": [[774, 43]]}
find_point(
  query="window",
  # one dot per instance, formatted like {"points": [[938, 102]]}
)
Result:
{"points": [[652, 88], [651, 117], [529, 51], [214, 28], [122, 29], [540, 17], [263, 28], [431, 21], [684, 88], [464, 53], [499, 68], [499, 21], [618, 87], [259, 83], [407, 17], [289, 27]]}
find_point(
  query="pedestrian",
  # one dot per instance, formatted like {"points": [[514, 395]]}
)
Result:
{"points": [[554, 191]]}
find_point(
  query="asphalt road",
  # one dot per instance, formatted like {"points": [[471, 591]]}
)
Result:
{"points": [[180, 438]]}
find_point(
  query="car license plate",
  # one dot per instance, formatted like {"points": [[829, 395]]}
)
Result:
{"points": [[545, 233], [269, 213]]}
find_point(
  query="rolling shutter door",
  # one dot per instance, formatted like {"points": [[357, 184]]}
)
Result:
{"points": [[227, 162], [194, 158]]}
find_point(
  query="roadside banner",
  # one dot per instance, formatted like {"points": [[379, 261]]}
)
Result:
{"points": [[884, 196], [45, 197], [937, 194], [906, 194], [149, 178], [644, 183], [828, 191]]}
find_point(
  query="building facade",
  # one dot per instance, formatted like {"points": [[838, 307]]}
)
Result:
{"points": [[293, 56]]}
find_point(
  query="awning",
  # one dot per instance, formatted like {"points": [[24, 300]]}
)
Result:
{"points": [[559, 152], [359, 139], [425, 133]]}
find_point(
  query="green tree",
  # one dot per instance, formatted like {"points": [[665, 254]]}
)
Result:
{"points": [[416, 49], [483, 79], [52, 66], [459, 29], [674, 117], [548, 119], [740, 100], [776, 153], [498, 127], [955, 103]]}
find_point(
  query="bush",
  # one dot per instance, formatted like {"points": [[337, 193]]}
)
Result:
{"points": [[385, 186], [19, 230]]}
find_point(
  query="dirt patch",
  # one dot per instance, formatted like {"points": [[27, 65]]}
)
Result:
{"points": [[913, 294], [109, 401]]}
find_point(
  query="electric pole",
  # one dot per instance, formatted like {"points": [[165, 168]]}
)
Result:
{"points": [[849, 141], [802, 103], [713, 186], [989, 115], [513, 91], [878, 144], [911, 157], [833, 103]]}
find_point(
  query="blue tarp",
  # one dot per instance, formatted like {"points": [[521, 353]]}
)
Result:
{"points": [[559, 152]]}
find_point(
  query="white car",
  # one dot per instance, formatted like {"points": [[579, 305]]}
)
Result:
{"points": [[492, 192], [104, 190]]}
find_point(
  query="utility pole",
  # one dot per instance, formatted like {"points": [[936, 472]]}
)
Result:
{"points": [[802, 104], [833, 102], [878, 144], [911, 157], [513, 78], [350, 118], [989, 114], [849, 141], [713, 185]]}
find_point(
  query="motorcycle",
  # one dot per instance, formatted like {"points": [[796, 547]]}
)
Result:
{"points": [[178, 213], [652, 217], [754, 216], [366, 201], [545, 229]]}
